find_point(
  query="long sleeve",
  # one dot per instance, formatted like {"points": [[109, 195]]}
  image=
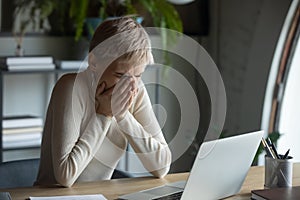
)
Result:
{"points": [[145, 136], [73, 146]]}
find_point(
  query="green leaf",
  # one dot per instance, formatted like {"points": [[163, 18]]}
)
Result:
{"points": [[78, 11], [102, 13], [46, 9]]}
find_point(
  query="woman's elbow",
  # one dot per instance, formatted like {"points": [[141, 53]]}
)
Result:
{"points": [[64, 179], [65, 182], [161, 172]]}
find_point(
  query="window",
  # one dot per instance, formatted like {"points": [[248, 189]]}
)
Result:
{"points": [[282, 99]]}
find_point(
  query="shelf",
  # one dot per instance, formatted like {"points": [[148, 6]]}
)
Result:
{"points": [[21, 154], [38, 71], [21, 148], [16, 153]]}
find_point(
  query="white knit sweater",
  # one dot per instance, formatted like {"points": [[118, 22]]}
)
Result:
{"points": [[80, 145]]}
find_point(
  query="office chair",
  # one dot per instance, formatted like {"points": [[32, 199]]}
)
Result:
{"points": [[19, 173]]}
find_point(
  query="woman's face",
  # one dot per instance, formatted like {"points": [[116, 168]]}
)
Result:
{"points": [[119, 69]]}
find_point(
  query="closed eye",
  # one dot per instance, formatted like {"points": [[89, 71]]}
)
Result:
{"points": [[119, 74]]}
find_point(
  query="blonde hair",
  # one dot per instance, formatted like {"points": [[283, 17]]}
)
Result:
{"points": [[122, 38]]}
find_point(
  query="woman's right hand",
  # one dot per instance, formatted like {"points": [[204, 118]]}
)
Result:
{"points": [[103, 100]]}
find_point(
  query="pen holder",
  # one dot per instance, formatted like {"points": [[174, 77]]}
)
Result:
{"points": [[278, 172]]}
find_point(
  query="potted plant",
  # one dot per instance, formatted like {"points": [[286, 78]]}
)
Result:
{"points": [[160, 13], [70, 16]]}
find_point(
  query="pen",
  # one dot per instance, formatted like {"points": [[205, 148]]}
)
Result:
{"points": [[273, 148], [286, 154], [267, 148]]}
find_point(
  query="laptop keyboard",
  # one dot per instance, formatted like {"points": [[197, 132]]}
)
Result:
{"points": [[174, 196]]}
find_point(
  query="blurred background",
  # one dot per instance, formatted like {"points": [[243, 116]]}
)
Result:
{"points": [[254, 44]]}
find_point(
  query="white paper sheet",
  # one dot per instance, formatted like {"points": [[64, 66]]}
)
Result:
{"points": [[74, 197]]}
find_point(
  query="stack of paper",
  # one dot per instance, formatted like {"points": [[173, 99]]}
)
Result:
{"points": [[20, 63], [73, 197], [21, 131], [72, 64]]}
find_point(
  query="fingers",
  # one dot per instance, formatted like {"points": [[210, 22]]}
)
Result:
{"points": [[125, 84], [123, 97], [103, 100], [129, 103], [123, 106], [109, 91], [117, 99], [122, 93], [100, 89], [127, 98]]}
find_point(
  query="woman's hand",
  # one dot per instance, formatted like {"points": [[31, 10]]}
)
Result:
{"points": [[123, 95], [103, 100], [116, 100]]}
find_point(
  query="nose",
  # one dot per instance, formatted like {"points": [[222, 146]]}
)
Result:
{"points": [[127, 75], [133, 79], [130, 76]]}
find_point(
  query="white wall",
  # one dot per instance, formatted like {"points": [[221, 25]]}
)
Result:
{"points": [[288, 123]]}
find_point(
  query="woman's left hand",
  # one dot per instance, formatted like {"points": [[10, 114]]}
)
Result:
{"points": [[122, 97]]}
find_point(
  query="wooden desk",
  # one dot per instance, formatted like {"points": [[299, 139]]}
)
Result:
{"points": [[113, 188]]}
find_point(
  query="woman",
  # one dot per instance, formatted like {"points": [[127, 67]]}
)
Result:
{"points": [[94, 114]]}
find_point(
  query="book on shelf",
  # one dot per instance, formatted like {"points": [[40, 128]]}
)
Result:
{"points": [[21, 121], [22, 130], [19, 137], [284, 193], [22, 60], [24, 67], [22, 144], [71, 64]]}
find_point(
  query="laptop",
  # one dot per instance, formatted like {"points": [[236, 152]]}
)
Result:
{"points": [[219, 171]]}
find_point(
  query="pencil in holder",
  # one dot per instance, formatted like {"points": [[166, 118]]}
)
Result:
{"points": [[278, 172]]}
